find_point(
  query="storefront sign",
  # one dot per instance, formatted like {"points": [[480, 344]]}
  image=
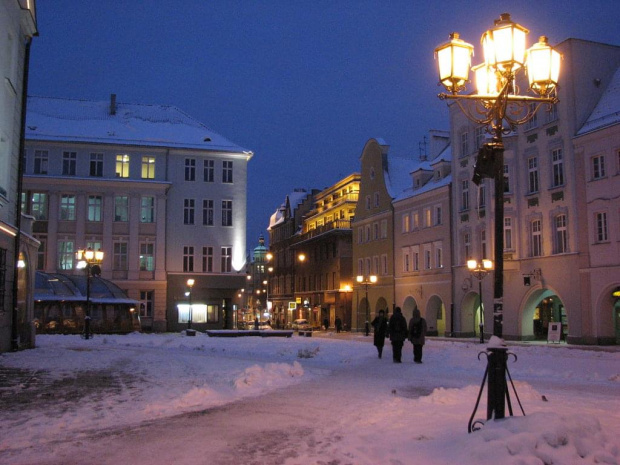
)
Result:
{"points": [[555, 332]]}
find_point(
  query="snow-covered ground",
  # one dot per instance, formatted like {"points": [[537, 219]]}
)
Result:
{"points": [[168, 398]]}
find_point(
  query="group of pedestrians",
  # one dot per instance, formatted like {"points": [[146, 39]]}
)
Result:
{"points": [[398, 331]]}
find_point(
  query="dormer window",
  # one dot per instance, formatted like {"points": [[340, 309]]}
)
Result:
{"points": [[372, 173]]}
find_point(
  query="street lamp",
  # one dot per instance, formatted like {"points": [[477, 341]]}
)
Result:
{"points": [[479, 270], [366, 281], [90, 260], [190, 285], [498, 106]]}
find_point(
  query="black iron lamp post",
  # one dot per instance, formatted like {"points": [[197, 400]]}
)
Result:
{"points": [[190, 286], [498, 106], [90, 260], [480, 270], [366, 281]]}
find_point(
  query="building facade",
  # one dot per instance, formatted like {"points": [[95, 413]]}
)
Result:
{"points": [[544, 210], [17, 246], [162, 195]]}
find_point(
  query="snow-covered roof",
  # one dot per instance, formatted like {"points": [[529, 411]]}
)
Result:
{"points": [[398, 174], [607, 110], [56, 119], [295, 198]]}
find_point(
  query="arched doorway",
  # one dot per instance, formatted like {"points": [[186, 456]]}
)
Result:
{"points": [[542, 307], [470, 314], [435, 316], [408, 305], [617, 319]]}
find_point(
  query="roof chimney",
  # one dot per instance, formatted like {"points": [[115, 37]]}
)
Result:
{"points": [[112, 104]]}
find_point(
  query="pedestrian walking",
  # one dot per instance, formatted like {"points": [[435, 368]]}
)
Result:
{"points": [[398, 334], [325, 323], [380, 326], [338, 324], [417, 334]]}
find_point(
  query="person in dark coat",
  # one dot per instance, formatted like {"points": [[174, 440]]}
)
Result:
{"points": [[417, 334], [380, 326], [338, 324], [325, 323], [398, 334]]}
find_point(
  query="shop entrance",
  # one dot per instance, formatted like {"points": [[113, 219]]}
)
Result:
{"points": [[543, 307]]}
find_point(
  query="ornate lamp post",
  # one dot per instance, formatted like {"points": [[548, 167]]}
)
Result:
{"points": [[366, 281], [479, 270], [190, 286], [498, 106], [90, 260]]}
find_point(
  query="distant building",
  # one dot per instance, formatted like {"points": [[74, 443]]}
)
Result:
{"points": [[160, 193], [18, 24]]}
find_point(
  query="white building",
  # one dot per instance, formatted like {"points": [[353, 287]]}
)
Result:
{"points": [[160, 193], [18, 25]]}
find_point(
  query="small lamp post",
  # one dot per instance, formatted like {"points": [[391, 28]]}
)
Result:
{"points": [[500, 107], [190, 286], [479, 270], [366, 281], [90, 260]]}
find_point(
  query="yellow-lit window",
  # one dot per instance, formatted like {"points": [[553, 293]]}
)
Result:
{"points": [[148, 167], [122, 166]]}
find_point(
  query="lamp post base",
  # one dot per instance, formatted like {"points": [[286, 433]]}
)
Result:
{"points": [[190, 332]]}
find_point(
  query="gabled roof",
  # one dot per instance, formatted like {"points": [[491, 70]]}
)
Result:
{"points": [[67, 120], [607, 110], [292, 200]]}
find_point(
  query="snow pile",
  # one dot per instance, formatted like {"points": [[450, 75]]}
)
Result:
{"points": [[272, 375]]}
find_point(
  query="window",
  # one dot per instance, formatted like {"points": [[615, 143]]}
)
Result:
{"points": [[438, 218], [482, 194], [598, 167], [467, 246], [66, 253], [428, 218], [438, 256], [207, 259], [148, 167], [416, 220], [190, 169], [483, 243], [121, 208], [561, 242], [39, 206], [94, 207], [427, 258], [67, 207], [69, 161], [226, 265], [120, 256], [406, 259], [147, 209], [375, 230], [41, 161], [464, 143], [368, 202], [96, 165], [360, 266], [533, 121], [367, 233], [122, 166], [464, 195], [360, 235], [479, 137], [207, 212], [376, 199], [601, 227], [188, 211], [209, 167], [536, 238], [188, 258], [383, 229], [416, 258], [227, 213], [532, 172], [557, 162], [508, 233], [552, 113], [384, 265], [147, 260], [406, 219], [506, 180], [147, 299], [227, 172]]}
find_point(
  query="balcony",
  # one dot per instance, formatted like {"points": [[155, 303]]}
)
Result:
{"points": [[331, 226]]}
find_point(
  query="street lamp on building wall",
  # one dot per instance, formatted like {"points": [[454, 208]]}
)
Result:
{"points": [[90, 260], [480, 270], [366, 281], [190, 286], [498, 106]]}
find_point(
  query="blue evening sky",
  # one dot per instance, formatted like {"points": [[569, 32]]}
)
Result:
{"points": [[303, 84]]}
